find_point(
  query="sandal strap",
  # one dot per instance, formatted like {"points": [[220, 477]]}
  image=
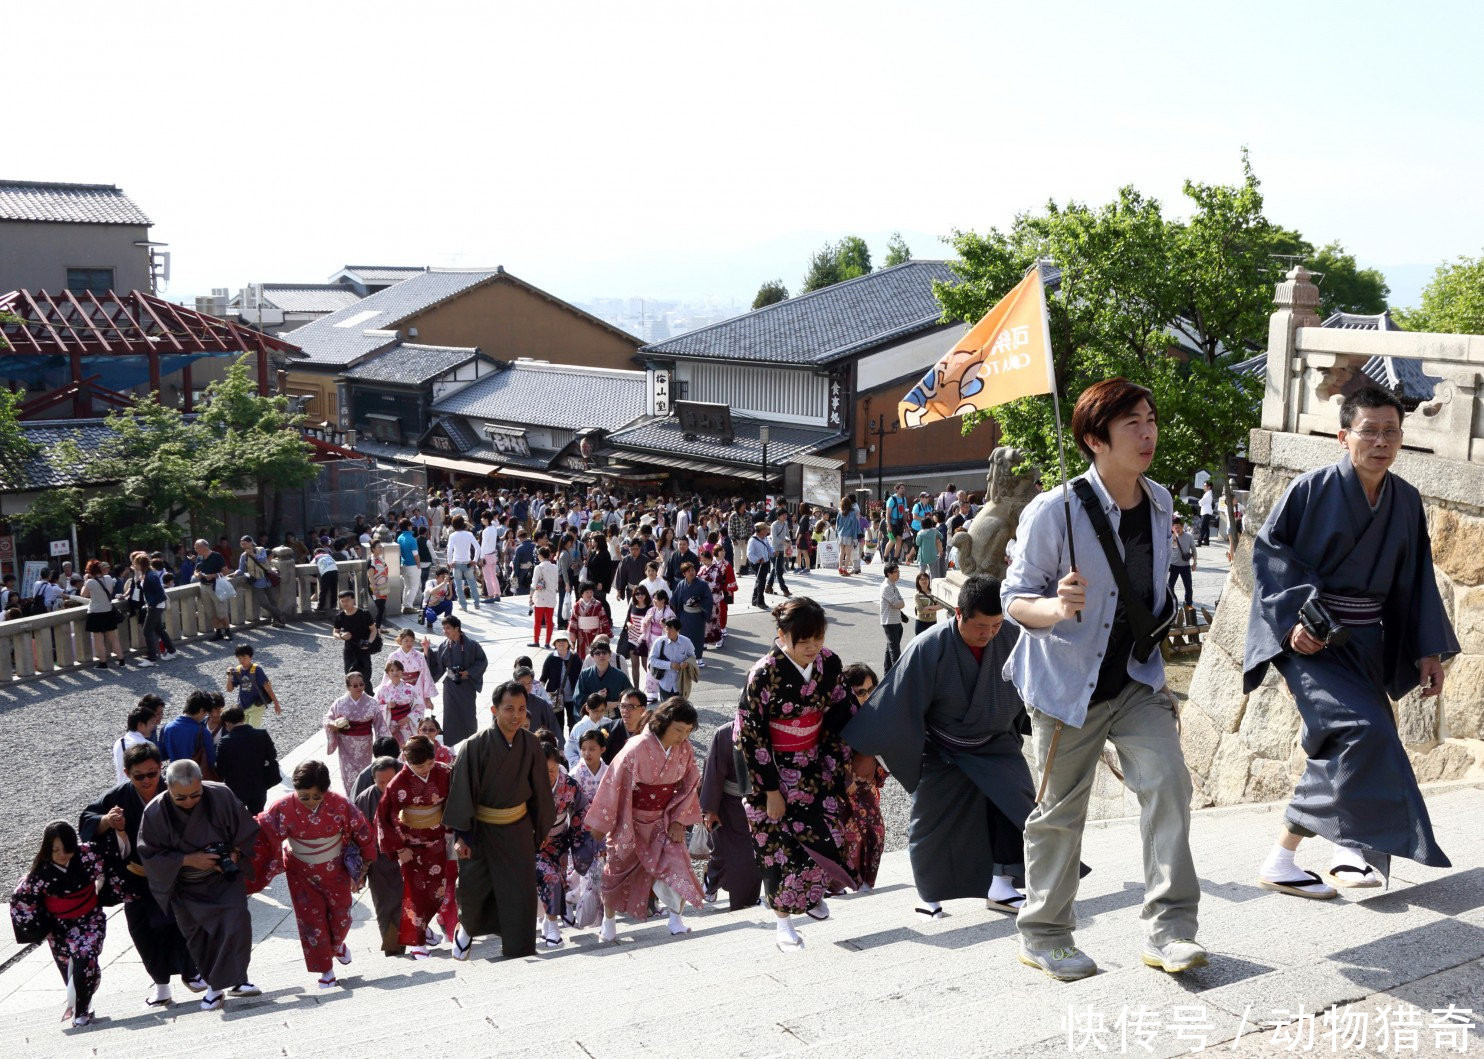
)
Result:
{"points": [[1337, 869]]}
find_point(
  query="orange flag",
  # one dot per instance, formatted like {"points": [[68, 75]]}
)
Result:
{"points": [[1005, 356]]}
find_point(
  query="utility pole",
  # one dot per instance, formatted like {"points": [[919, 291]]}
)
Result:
{"points": [[876, 428]]}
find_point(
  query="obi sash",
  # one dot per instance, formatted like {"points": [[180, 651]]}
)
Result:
{"points": [[358, 728], [422, 817], [316, 850], [74, 905], [136, 868], [1352, 610], [589, 622], [653, 797], [731, 788], [400, 711], [488, 814], [796, 734]]}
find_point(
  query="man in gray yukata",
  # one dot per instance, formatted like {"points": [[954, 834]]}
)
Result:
{"points": [[1351, 536], [949, 728], [205, 891]]}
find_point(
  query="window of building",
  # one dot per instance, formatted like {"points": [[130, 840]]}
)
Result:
{"points": [[97, 280]]}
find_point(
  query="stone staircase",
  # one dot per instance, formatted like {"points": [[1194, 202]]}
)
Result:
{"points": [[874, 980]]}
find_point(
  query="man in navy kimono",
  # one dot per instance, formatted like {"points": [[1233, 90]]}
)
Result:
{"points": [[949, 727], [1351, 536], [691, 602]]}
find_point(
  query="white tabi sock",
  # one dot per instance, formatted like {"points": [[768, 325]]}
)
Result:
{"points": [[1345, 855], [1279, 865], [786, 931], [1002, 889], [162, 992], [677, 925]]}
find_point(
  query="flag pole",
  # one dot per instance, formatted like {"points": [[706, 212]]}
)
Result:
{"points": [[1061, 453]]}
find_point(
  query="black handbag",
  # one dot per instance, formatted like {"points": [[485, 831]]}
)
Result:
{"points": [[1148, 629]]}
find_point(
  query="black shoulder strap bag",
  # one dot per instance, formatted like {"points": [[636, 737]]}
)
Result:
{"points": [[1148, 630]]}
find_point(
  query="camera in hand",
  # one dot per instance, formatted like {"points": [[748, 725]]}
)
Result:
{"points": [[224, 861], [1320, 624]]}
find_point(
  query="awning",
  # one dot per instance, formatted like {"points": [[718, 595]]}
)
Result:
{"points": [[697, 466], [462, 466], [535, 476], [804, 459]]}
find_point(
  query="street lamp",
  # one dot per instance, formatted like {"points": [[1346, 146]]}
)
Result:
{"points": [[762, 435], [876, 428]]}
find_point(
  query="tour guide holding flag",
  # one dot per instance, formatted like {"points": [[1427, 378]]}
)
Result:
{"points": [[1087, 663]]}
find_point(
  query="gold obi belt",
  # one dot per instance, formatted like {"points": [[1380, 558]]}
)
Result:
{"points": [[316, 850], [422, 817], [488, 814], [137, 869]]}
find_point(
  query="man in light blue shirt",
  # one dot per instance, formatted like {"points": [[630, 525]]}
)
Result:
{"points": [[1084, 684], [411, 572]]}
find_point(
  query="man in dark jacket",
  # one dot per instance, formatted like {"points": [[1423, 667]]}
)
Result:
{"points": [[245, 756]]}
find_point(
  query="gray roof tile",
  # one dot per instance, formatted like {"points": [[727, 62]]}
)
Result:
{"points": [[410, 364], [665, 436], [308, 297], [32, 200], [824, 325], [46, 469], [383, 273], [341, 338], [552, 395]]}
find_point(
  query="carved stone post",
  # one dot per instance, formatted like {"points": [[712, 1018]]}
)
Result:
{"points": [[1297, 299]]}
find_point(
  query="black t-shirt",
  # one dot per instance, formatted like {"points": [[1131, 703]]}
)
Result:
{"points": [[211, 564], [358, 623], [1137, 535]]}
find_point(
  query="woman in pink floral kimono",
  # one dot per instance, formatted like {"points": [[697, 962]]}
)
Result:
{"points": [[414, 668], [353, 722], [644, 803], [400, 700]]}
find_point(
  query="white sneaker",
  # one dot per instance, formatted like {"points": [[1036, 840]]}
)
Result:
{"points": [[145, 663]]}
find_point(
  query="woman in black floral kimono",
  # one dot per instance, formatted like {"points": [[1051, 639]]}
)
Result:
{"points": [[788, 725], [58, 901]]}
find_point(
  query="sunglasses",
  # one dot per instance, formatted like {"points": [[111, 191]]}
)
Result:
{"points": [[145, 775]]}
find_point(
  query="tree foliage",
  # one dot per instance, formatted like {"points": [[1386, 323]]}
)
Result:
{"points": [[836, 262], [897, 251], [770, 293], [1345, 287], [1452, 301], [1170, 304], [166, 469], [15, 446]]}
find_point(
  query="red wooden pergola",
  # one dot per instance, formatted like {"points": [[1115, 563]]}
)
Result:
{"points": [[76, 324]]}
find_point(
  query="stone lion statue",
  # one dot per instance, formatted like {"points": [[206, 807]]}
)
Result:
{"points": [[981, 544]]}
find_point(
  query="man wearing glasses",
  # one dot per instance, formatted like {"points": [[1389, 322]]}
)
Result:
{"points": [[1345, 606], [112, 823], [190, 843]]}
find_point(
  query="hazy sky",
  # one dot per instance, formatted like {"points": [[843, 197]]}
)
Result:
{"points": [[691, 149]]}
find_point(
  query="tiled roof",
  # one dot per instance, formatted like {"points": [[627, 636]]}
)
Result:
{"points": [[30, 200], [665, 436], [461, 433], [46, 469], [411, 364], [552, 395], [308, 297], [1401, 375], [384, 450], [824, 325], [341, 337], [383, 273]]}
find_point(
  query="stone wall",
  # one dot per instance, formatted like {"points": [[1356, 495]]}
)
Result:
{"points": [[1244, 748]]}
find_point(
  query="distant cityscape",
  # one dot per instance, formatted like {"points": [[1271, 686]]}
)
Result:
{"points": [[655, 319]]}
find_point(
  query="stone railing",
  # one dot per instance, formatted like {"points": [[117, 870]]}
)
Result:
{"points": [[1244, 748], [1311, 369], [57, 642]]}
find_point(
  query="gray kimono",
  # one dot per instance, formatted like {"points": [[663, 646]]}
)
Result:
{"points": [[210, 907], [949, 728], [460, 696], [1374, 572]]}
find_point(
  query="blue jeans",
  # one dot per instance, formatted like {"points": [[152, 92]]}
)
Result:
{"points": [[465, 573]]}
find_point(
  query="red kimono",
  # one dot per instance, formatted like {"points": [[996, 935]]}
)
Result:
{"points": [[319, 885], [588, 621], [411, 817]]}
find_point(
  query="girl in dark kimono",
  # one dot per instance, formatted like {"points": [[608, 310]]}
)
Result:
{"points": [[865, 830], [566, 836], [58, 900], [788, 726]]}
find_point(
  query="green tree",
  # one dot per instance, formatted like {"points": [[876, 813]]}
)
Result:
{"points": [[1129, 278], [1452, 301], [770, 293], [15, 446], [1345, 287], [836, 262], [7, 318], [897, 251]]}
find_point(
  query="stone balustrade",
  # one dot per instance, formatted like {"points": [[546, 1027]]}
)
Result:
{"points": [[56, 642]]}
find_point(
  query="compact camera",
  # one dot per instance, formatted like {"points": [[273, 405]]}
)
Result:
{"points": [[1320, 624]]}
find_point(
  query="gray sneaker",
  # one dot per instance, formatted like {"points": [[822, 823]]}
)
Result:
{"points": [[1174, 956], [1064, 964]]}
